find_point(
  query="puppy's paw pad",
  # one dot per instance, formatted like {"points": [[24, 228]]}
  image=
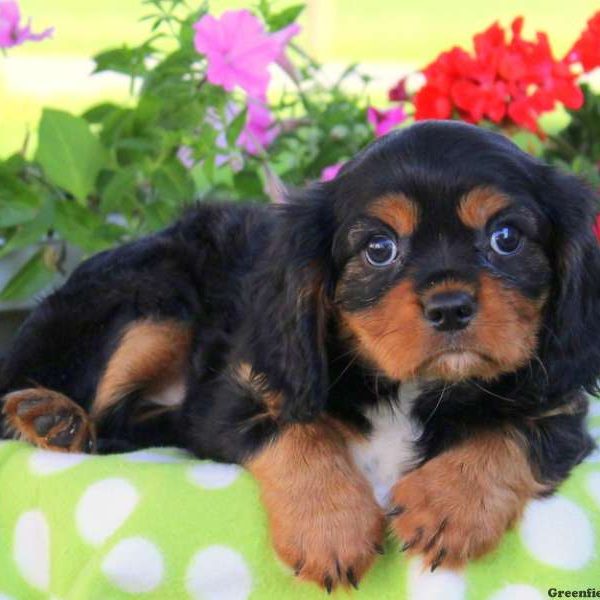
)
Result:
{"points": [[48, 420]]}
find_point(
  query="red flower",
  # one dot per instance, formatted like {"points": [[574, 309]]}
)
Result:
{"points": [[432, 103], [586, 49], [503, 80], [433, 100]]}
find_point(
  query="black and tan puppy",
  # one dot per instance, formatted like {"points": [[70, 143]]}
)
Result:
{"points": [[422, 329]]}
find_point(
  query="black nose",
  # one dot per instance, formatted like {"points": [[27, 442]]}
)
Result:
{"points": [[450, 311]]}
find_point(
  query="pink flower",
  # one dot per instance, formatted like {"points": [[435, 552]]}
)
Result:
{"points": [[597, 227], [239, 50], [12, 33], [185, 155], [385, 120], [330, 172], [260, 129], [399, 93]]}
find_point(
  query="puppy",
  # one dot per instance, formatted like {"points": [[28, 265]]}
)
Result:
{"points": [[413, 340]]}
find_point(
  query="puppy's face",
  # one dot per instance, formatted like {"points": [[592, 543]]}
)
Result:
{"points": [[444, 261]]}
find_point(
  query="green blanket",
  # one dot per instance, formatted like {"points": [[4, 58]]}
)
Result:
{"points": [[160, 525]]}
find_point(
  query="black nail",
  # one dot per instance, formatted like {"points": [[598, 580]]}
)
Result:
{"points": [[379, 549], [419, 535], [394, 512], [352, 578], [436, 536], [338, 569], [414, 541], [438, 559], [328, 583], [298, 568]]}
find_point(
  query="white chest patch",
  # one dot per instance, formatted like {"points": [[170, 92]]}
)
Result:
{"points": [[390, 450]]}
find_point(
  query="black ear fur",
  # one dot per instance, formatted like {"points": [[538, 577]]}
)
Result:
{"points": [[288, 303], [570, 341]]}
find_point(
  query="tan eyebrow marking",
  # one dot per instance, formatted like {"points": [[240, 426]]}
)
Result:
{"points": [[398, 211], [478, 206]]}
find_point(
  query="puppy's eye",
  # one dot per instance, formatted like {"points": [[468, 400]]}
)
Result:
{"points": [[381, 251], [506, 240]]}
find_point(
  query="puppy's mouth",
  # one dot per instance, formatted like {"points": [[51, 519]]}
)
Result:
{"points": [[455, 364]]}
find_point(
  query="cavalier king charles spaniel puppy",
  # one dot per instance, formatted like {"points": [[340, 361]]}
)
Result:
{"points": [[409, 345]]}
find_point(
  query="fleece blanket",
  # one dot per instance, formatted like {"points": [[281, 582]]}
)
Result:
{"points": [[160, 525]]}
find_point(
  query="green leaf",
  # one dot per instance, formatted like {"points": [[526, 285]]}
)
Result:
{"points": [[174, 184], [248, 184], [15, 164], [119, 191], [81, 227], [69, 153], [16, 211], [100, 112], [528, 142], [264, 8], [29, 279], [235, 127], [285, 17], [158, 215], [126, 60], [18, 203], [32, 232]]}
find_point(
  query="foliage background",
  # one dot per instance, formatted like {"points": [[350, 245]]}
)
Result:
{"points": [[117, 172], [389, 37]]}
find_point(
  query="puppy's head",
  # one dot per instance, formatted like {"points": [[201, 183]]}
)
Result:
{"points": [[446, 253]]}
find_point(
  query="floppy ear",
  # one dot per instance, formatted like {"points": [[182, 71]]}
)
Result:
{"points": [[289, 305], [570, 348]]}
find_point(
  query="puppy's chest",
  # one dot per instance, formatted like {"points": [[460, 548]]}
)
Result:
{"points": [[390, 451]]}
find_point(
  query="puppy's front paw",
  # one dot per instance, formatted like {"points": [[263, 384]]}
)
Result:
{"points": [[329, 536], [48, 420], [457, 506]]}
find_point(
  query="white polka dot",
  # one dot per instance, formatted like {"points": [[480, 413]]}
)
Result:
{"points": [[44, 462], [146, 456], [218, 573], [517, 592], [594, 409], [557, 532], [32, 549], [593, 485], [103, 508], [440, 585], [213, 475], [134, 565]]}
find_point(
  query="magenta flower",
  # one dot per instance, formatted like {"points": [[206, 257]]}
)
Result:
{"points": [[239, 50], [260, 129], [330, 172], [385, 120], [185, 155], [12, 32]]}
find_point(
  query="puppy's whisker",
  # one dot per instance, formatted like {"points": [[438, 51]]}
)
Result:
{"points": [[483, 389], [344, 371], [439, 402]]}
